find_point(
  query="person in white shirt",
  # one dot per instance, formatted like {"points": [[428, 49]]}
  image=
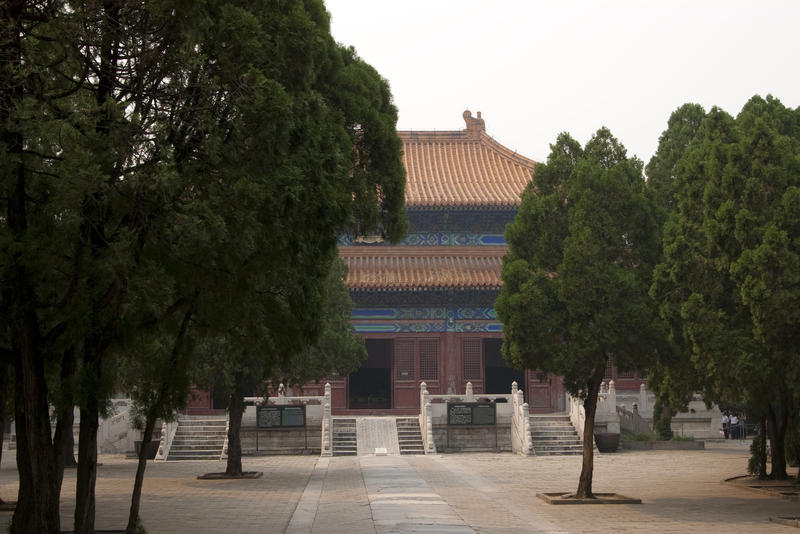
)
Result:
{"points": [[726, 421], [734, 426]]}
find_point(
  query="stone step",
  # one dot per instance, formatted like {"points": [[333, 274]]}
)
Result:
{"points": [[179, 458], [554, 435], [196, 447], [344, 437], [198, 438], [192, 424], [409, 437], [202, 433], [195, 453], [557, 446]]}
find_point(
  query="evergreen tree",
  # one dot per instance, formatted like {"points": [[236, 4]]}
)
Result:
{"points": [[729, 274], [671, 376], [581, 251], [161, 163]]}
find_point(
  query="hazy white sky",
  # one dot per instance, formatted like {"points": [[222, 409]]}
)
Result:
{"points": [[536, 68]]}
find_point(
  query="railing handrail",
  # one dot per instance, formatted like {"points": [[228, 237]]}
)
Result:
{"points": [[493, 396], [259, 401], [168, 430]]}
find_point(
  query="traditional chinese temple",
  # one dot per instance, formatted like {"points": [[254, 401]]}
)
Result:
{"points": [[426, 305]]}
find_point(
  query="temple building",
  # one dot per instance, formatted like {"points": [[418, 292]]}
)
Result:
{"points": [[426, 305]]}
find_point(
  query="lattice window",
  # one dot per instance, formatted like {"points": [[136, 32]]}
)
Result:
{"points": [[609, 368], [626, 374], [471, 357], [539, 377], [429, 360], [404, 359]]}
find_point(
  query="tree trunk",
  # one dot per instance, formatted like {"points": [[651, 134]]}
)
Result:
{"points": [[2, 434], [64, 438], [87, 467], [37, 502], [136, 498], [663, 426], [777, 435], [235, 412], [762, 438], [590, 407], [68, 445], [3, 389], [37, 499]]}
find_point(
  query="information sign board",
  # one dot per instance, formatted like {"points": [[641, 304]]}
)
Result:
{"points": [[280, 416], [471, 413]]}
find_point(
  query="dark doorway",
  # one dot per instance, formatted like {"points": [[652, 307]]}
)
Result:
{"points": [[370, 388], [499, 374]]}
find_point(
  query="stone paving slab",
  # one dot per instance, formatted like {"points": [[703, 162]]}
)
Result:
{"points": [[377, 432], [682, 491], [402, 501]]}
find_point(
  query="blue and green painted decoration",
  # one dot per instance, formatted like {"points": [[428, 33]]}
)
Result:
{"points": [[425, 320], [434, 239]]}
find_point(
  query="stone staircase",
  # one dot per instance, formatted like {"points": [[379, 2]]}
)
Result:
{"points": [[198, 437], [554, 435], [344, 437], [408, 436]]}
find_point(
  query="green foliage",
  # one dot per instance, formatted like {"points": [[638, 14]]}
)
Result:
{"points": [[581, 252], [188, 194], [661, 171], [642, 436], [575, 279], [339, 348], [728, 283], [662, 420]]}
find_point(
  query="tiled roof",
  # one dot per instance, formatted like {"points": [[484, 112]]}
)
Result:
{"points": [[413, 268], [465, 167]]}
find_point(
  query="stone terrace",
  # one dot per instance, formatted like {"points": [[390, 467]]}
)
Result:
{"points": [[485, 493]]}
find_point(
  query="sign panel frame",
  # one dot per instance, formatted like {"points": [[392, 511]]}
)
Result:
{"points": [[281, 416], [471, 414]]}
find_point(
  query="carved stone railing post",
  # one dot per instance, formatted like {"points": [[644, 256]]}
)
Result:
{"points": [[468, 396], [526, 429], [643, 406], [425, 419], [612, 396], [224, 454], [167, 434], [430, 444], [577, 414], [517, 423], [327, 423]]}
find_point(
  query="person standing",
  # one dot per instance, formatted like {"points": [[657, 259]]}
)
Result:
{"points": [[734, 426], [726, 421]]}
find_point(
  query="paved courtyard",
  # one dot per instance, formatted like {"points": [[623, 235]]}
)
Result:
{"points": [[458, 493]]}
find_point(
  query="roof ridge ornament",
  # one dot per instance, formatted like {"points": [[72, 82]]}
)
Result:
{"points": [[475, 126]]}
